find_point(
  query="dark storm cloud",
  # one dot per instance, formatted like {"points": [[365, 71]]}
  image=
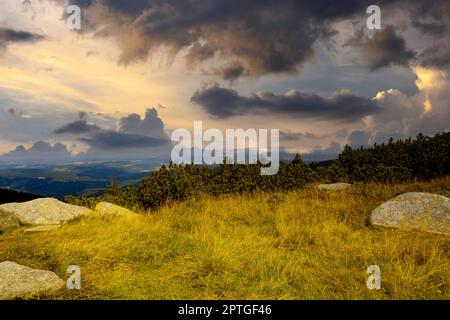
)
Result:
{"points": [[198, 53], [232, 71], [433, 28], [263, 36], [77, 127], [222, 103], [81, 3], [384, 49], [271, 36], [430, 17], [295, 136], [8, 36], [107, 139], [240, 30], [132, 7], [437, 55]]}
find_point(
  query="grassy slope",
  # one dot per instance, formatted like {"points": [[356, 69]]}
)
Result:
{"points": [[302, 245]]}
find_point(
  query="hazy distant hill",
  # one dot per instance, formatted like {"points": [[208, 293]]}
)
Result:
{"points": [[57, 181], [7, 196]]}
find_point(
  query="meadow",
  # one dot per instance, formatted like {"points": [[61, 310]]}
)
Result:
{"points": [[301, 244]]}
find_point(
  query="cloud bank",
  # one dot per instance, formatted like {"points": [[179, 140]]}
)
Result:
{"points": [[132, 133], [342, 106]]}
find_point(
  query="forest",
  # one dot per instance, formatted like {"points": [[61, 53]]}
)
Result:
{"points": [[7, 195], [421, 158]]}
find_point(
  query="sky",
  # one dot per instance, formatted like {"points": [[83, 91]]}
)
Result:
{"points": [[137, 70]]}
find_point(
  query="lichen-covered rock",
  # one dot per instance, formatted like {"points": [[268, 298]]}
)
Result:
{"points": [[43, 211], [49, 227], [334, 186], [17, 280], [109, 208], [414, 211]]}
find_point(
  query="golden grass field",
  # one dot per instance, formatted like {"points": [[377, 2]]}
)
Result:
{"points": [[306, 244]]}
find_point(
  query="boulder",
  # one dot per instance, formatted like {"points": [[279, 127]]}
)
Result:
{"points": [[334, 186], [17, 280], [109, 208], [414, 211], [42, 211], [49, 227]]}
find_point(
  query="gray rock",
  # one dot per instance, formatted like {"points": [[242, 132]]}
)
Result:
{"points": [[109, 208], [42, 211], [17, 280], [414, 211], [49, 227], [334, 186]]}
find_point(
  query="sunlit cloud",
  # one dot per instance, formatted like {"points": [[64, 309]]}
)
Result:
{"points": [[427, 79]]}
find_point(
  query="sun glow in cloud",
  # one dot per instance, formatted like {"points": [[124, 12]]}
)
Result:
{"points": [[428, 78], [428, 106], [94, 82], [382, 94]]}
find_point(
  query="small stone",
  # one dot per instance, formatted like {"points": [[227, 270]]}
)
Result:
{"points": [[334, 186], [17, 280]]}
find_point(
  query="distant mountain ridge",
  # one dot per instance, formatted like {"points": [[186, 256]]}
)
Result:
{"points": [[57, 181], [7, 196]]}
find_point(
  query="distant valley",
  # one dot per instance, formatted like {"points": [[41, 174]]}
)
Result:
{"points": [[78, 178]]}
